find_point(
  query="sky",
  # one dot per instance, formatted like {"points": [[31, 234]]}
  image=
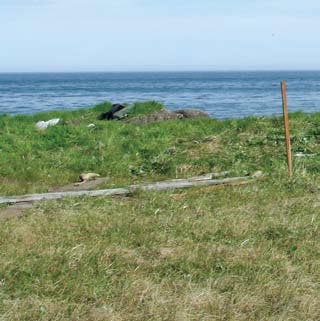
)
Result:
{"points": [[158, 35]]}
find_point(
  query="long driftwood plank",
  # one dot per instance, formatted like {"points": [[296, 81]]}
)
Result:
{"points": [[185, 183], [58, 195], [159, 186]]}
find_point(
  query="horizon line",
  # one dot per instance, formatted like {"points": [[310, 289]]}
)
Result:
{"points": [[159, 71]]}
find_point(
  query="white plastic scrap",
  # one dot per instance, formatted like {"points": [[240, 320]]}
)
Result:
{"points": [[44, 124], [300, 154]]}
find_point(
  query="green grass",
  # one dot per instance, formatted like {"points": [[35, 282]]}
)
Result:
{"points": [[244, 253], [35, 161], [235, 253]]}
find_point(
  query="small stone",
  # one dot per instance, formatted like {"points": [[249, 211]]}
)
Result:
{"points": [[84, 177], [257, 174]]}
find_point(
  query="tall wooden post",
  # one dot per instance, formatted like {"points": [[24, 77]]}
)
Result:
{"points": [[286, 125]]}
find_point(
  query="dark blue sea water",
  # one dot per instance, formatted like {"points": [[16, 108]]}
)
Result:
{"points": [[222, 94]]}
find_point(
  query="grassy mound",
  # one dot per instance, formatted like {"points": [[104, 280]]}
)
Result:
{"points": [[35, 161]]}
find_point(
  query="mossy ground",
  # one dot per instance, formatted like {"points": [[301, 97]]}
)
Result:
{"points": [[235, 253]]}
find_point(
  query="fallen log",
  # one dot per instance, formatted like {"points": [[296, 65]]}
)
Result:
{"points": [[185, 183], [159, 186], [58, 195]]}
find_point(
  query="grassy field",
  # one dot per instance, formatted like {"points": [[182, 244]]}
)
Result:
{"points": [[235, 253]]}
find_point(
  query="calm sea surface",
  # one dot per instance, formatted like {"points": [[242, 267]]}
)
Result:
{"points": [[222, 94]]}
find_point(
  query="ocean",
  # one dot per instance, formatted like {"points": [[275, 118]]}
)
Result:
{"points": [[221, 94]]}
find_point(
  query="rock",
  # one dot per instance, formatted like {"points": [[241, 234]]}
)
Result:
{"points": [[110, 114], [123, 113], [88, 177], [164, 114], [80, 186], [155, 117], [192, 113], [257, 174], [45, 124]]}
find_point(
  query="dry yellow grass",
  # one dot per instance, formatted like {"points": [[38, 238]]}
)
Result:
{"points": [[239, 253]]}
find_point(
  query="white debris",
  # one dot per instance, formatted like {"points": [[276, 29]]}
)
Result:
{"points": [[91, 125], [45, 124], [300, 154]]}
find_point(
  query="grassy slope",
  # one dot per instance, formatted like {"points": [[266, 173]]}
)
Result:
{"points": [[238, 253], [31, 161]]}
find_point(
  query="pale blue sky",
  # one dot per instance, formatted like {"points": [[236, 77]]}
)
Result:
{"points": [[111, 35]]}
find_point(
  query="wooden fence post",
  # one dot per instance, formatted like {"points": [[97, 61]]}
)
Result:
{"points": [[286, 125]]}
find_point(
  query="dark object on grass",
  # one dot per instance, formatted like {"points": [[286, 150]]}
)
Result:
{"points": [[110, 114]]}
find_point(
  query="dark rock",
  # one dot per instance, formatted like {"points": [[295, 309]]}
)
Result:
{"points": [[110, 114]]}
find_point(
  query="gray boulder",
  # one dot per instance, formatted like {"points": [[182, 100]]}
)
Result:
{"points": [[192, 113], [155, 117]]}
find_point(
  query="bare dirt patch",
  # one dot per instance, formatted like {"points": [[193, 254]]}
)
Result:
{"points": [[16, 210]]}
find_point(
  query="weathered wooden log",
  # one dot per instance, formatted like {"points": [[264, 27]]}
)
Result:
{"points": [[58, 195], [185, 183], [159, 186]]}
